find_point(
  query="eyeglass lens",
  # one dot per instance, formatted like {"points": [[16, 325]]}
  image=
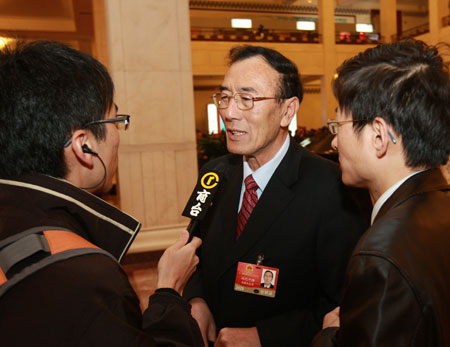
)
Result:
{"points": [[123, 123], [333, 127], [243, 101]]}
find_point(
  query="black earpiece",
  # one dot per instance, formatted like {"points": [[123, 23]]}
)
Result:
{"points": [[86, 149]]}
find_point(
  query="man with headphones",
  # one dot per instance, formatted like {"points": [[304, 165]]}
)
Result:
{"points": [[60, 246]]}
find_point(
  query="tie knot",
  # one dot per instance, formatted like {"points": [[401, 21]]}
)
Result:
{"points": [[250, 183]]}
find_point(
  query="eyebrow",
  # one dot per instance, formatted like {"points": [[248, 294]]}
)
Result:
{"points": [[243, 89], [248, 89]]}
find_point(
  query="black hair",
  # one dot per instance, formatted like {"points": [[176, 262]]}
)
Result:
{"points": [[290, 84], [407, 84], [47, 90]]}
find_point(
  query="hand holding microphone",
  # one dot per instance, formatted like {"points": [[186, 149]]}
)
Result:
{"points": [[179, 261]]}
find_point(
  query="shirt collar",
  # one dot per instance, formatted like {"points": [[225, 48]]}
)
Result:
{"points": [[263, 174]]}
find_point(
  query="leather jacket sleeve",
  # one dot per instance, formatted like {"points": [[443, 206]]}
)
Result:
{"points": [[379, 308]]}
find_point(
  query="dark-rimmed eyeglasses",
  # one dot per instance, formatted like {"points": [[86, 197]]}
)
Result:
{"points": [[242, 100], [121, 121]]}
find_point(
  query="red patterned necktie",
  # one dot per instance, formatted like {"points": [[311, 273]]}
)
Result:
{"points": [[248, 204]]}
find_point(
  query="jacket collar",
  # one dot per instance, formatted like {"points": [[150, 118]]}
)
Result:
{"points": [[426, 181], [91, 217]]}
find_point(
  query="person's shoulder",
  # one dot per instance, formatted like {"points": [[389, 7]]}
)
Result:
{"points": [[89, 273], [318, 161], [312, 158], [225, 161], [314, 164], [408, 222]]}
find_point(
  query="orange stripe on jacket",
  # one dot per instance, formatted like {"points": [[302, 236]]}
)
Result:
{"points": [[61, 240], [3, 278]]}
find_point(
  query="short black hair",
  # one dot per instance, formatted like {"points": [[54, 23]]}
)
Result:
{"points": [[290, 83], [47, 90], [407, 84]]}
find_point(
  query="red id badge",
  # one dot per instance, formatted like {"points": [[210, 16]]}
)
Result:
{"points": [[256, 279]]}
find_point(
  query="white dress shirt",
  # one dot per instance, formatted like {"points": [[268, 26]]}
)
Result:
{"points": [[264, 173]]}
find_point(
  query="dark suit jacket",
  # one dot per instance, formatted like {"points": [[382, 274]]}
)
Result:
{"points": [[397, 283], [302, 225]]}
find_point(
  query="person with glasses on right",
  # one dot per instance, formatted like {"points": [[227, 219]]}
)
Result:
{"points": [[392, 133], [279, 207]]}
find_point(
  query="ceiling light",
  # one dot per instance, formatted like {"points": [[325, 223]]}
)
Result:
{"points": [[364, 28], [306, 25], [241, 23]]}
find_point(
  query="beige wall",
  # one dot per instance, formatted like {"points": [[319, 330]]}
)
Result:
{"points": [[150, 61], [209, 58]]}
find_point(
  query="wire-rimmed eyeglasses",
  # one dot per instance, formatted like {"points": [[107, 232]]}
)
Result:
{"points": [[333, 127], [242, 100], [121, 121]]}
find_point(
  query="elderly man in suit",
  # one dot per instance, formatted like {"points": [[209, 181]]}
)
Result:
{"points": [[393, 132], [278, 207]]}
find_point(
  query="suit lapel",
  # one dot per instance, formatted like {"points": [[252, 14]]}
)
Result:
{"points": [[276, 196]]}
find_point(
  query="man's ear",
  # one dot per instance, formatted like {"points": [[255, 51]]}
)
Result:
{"points": [[291, 106], [380, 139], [81, 138]]}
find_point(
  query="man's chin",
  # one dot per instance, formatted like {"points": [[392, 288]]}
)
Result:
{"points": [[235, 149], [348, 181]]}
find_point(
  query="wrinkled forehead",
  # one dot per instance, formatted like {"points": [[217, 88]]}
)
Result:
{"points": [[252, 75]]}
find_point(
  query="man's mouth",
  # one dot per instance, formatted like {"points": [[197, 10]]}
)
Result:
{"points": [[237, 132]]}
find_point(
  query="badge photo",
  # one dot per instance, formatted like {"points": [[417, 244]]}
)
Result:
{"points": [[256, 279]]}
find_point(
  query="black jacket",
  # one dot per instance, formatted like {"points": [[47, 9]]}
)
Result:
{"points": [[397, 290], [304, 224], [86, 300]]}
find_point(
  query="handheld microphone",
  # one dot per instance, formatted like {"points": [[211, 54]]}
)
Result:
{"points": [[202, 196]]}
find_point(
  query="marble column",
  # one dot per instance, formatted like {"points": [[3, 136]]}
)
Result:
{"points": [[327, 32], [437, 9], [149, 55], [388, 19]]}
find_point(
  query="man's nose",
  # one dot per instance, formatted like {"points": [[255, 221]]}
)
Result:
{"points": [[334, 143], [231, 112]]}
